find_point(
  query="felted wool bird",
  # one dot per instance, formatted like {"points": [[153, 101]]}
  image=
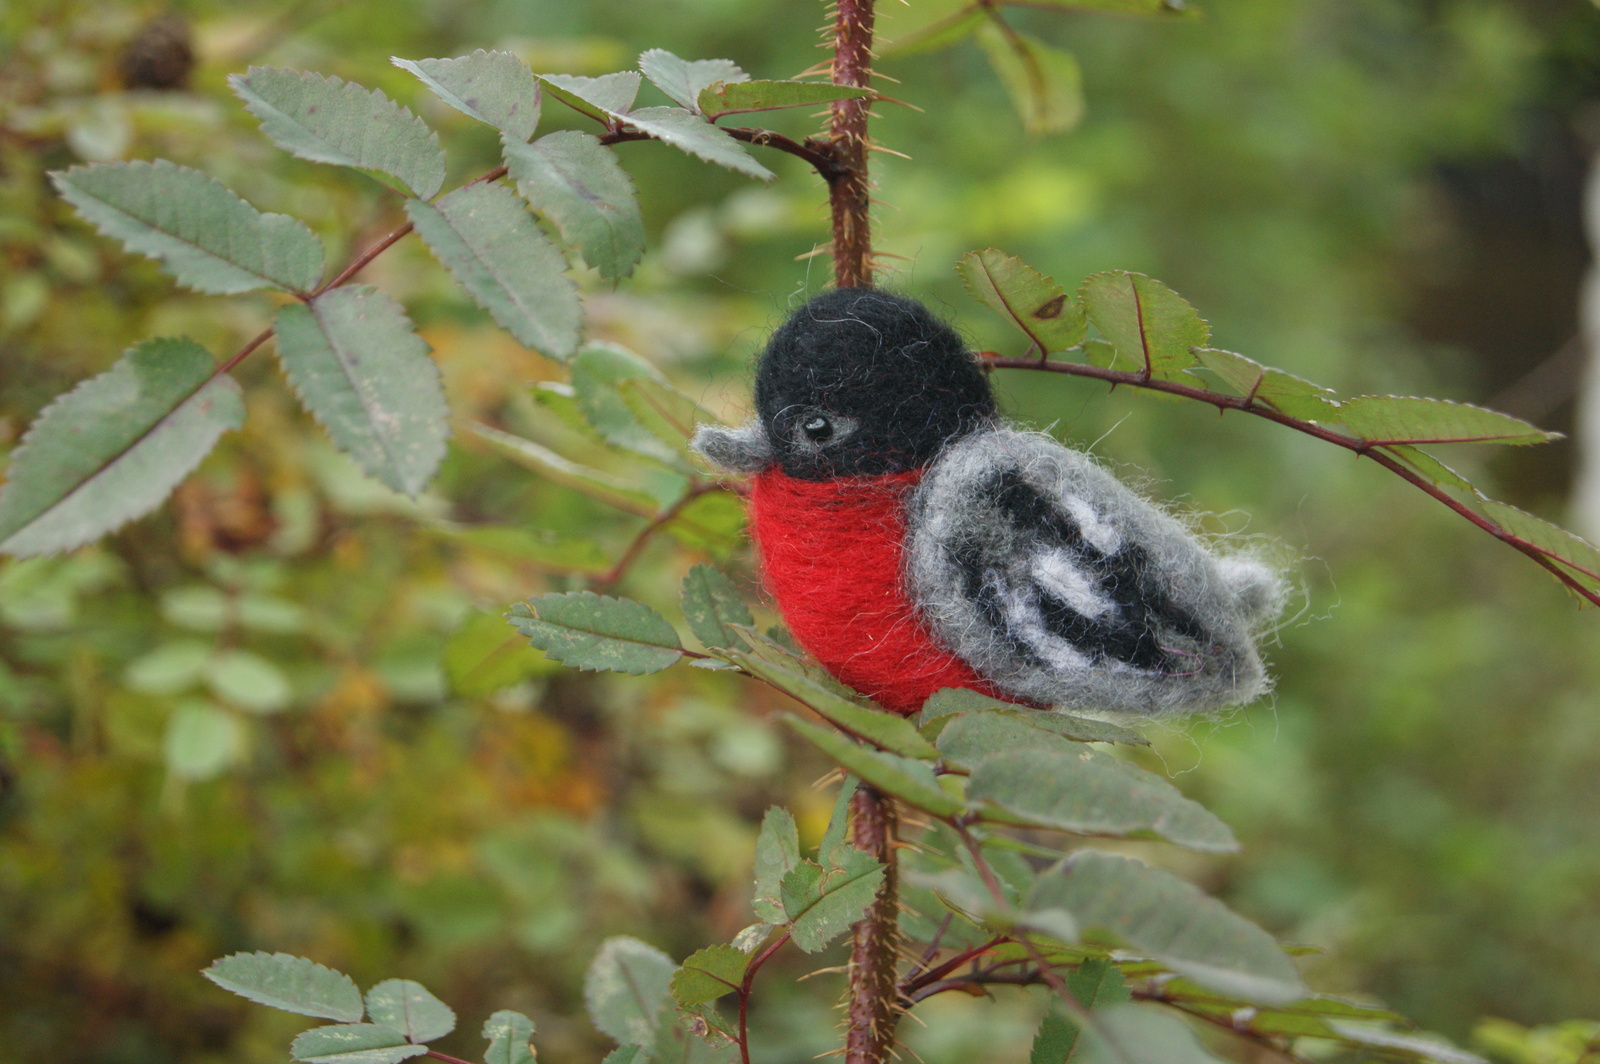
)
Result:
{"points": [[913, 540]]}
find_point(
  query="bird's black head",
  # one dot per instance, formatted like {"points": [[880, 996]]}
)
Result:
{"points": [[860, 382]]}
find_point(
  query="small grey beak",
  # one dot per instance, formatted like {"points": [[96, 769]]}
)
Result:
{"points": [[745, 449]]}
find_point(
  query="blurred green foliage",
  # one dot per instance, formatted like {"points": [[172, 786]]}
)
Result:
{"points": [[284, 713]]}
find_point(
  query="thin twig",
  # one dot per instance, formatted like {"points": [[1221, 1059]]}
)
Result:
{"points": [[655, 524], [1362, 448], [745, 986]]}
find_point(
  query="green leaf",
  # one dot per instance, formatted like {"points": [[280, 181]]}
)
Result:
{"points": [[1169, 8], [597, 485], [493, 248], [710, 603], [1426, 465], [1171, 921], [1034, 303], [1282, 391], [777, 854], [204, 234], [600, 98], [353, 1043], [1405, 1045], [684, 81], [941, 33], [248, 681], [1045, 83], [583, 630], [201, 741], [361, 371], [543, 547], [626, 1055], [1076, 788], [409, 1008], [292, 984], [628, 984], [690, 133], [670, 414], [576, 182], [112, 448], [712, 522], [1149, 324], [729, 96], [508, 1033], [1385, 419], [495, 88], [168, 668], [1550, 540], [709, 974], [326, 120], [1140, 1034], [950, 701], [597, 371], [821, 905], [888, 731], [1056, 1038], [912, 781], [1097, 982], [485, 657]]}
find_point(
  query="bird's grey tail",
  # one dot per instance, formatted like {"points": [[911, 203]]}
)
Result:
{"points": [[1259, 588]]}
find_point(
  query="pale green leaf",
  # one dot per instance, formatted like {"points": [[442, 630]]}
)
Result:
{"points": [[1385, 419], [1139, 1034], [490, 243], [508, 1033], [544, 548], [293, 984], [600, 98], [1149, 324], [591, 482], [361, 371], [326, 120], [112, 448], [628, 984], [906, 779], [1417, 1047], [1075, 788], [712, 522], [485, 656], [1171, 921], [672, 415], [169, 668], [353, 1043], [777, 853], [683, 81], [885, 730], [1034, 303], [1281, 391], [248, 681], [710, 604], [205, 235], [201, 741], [495, 88], [950, 701], [1550, 540], [583, 630], [834, 848], [626, 1055], [822, 905], [409, 1008], [597, 371], [709, 974], [690, 133], [1045, 83], [728, 97], [1426, 465], [576, 182]]}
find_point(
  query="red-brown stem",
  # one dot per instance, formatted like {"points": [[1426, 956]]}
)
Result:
{"points": [[744, 993], [849, 191], [655, 524], [1362, 448], [874, 997]]}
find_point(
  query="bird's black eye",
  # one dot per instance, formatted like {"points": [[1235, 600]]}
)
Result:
{"points": [[819, 429]]}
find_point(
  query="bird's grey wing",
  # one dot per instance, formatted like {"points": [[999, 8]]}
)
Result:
{"points": [[1061, 585]]}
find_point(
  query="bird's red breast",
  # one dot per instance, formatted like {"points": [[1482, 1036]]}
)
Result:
{"points": [[832, 554]]}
